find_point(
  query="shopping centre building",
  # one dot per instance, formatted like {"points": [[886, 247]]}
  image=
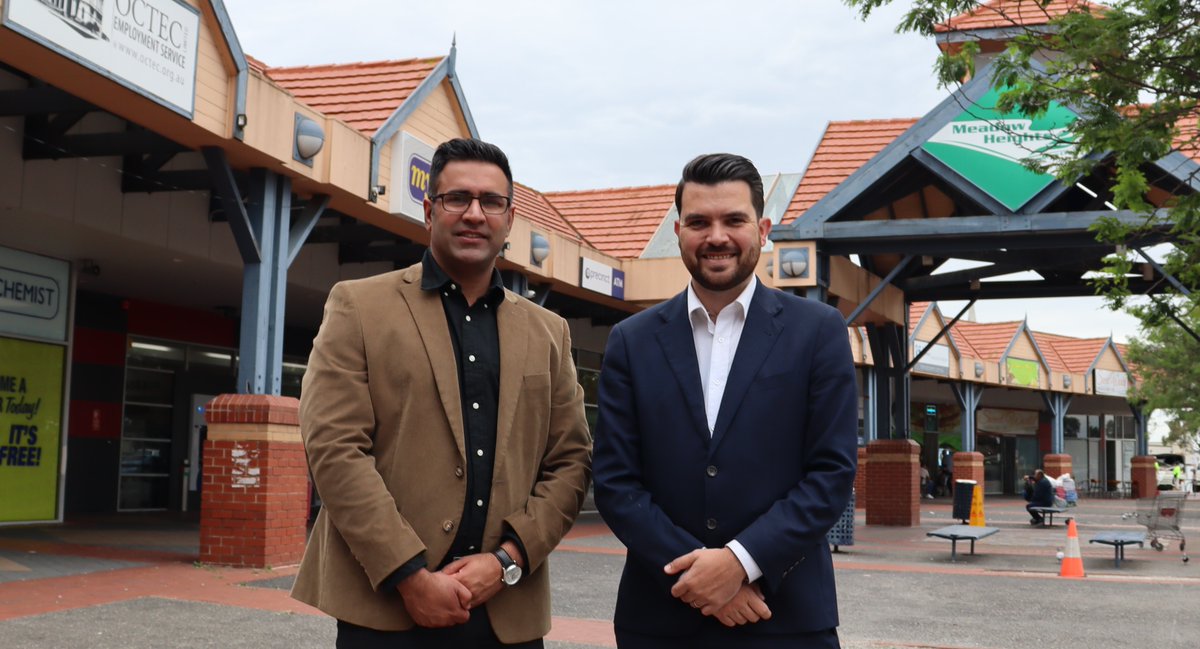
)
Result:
{"points": [[173, 213]]}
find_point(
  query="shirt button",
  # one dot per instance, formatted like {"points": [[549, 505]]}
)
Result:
{"points": [[458, 472], [453, 286], [711, 523], [447, 526], [721, 339], [468, 318], [446, 293], [479, 452], [471, 358], [475, 406], [711, 471], [479, 503]]}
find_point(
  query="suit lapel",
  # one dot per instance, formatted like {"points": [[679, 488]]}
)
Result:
{"points": [[513, 327], [758, 339], [430, 319], [675, 338]]}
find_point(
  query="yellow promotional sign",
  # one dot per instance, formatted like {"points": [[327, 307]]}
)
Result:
{"points": [[31, 398]]}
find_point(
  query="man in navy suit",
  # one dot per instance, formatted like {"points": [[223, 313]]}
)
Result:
{"points": [[726, 442]]}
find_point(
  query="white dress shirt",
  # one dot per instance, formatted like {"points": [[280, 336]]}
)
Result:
{"points": [[716, 343]]}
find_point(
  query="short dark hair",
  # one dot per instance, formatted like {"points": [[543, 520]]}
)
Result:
{"points": [[467, 150], [715, 168]]}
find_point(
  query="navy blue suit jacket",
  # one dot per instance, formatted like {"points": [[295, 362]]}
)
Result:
{"points": [[775, 475]]}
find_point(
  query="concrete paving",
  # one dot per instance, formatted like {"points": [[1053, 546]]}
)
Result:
{"points": [[132, 583]]}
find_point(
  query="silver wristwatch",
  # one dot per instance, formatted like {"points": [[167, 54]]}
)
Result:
{"points": [[510, 572]]}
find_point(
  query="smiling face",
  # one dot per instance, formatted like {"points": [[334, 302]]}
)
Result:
{"points": [[719, 236], [466, 245]]}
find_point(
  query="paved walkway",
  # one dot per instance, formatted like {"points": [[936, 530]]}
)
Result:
{"points": [[133, 582]]}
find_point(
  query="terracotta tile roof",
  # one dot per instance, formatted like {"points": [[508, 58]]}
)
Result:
{"points": [[617, 222], [844, 148], [1013, 13], [987, 340], [363, 95], [916, 311], [1188, 141], [1079, 353], [1049, 344], [532, 205]]}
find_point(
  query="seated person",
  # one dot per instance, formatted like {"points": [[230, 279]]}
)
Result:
{"points": [[926, 482], [1040, 493]]}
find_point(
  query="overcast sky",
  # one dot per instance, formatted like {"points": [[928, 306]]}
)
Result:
{"points": [[585, 95]]}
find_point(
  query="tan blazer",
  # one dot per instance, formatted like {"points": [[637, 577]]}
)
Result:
{"points": [[381, 417]]}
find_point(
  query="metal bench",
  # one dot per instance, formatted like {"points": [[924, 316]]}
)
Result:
{"points": [[1048, 514], [1118, 540], [956, 533]]}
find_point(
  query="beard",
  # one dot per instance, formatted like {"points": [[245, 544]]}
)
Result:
{"points": [[744, 265]]}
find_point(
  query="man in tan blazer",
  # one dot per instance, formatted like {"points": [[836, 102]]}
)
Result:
{"points": [[445, 431]]}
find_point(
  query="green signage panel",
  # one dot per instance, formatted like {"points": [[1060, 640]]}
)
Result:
{"points": [[1022, 372], [987, 148]]}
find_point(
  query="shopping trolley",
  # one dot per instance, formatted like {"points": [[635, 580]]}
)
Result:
{"points": [[1163, 518]]}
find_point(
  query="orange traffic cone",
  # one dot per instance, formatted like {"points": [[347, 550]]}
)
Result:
{"points": [[977, 518], [1072, 563]]}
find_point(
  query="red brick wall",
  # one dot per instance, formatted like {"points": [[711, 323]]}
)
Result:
{"points": [[860, 480], [968, 466], [893, 484], [1144, 476], [1056, 464], [254, 504]]}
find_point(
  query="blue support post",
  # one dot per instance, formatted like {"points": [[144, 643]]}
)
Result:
{"points": [[968, 396], [1057, 403]]}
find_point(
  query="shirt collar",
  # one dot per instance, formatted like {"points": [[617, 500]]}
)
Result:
{"points": [[697, 310], [433, 278]]}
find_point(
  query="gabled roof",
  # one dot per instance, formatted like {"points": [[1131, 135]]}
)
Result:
{"points": [[997, 14], [532, 205], [1049, 344], [616, 222], [916, 313], [844, 147], [1077, 353], [988, 340], [364, 95]]}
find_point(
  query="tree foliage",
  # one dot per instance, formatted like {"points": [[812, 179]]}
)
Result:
{"points": [[1131, 70], [1168, 361]]}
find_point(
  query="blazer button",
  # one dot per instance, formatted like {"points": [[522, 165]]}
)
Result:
{"points": [[711, 471], [447, 526], [711, 523], [458, 472]]}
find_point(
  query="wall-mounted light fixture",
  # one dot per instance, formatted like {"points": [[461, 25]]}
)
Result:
{"points": [[770, 267], [794, 262], [308, 140], [539, 249], [1066, 380], [978, 369]]}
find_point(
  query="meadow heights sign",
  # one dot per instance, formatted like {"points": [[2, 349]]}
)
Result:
{"points": [[148, 46], [989, 148]]}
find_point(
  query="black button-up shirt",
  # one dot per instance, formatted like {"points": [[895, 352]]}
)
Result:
{"points": [[477, 352]]}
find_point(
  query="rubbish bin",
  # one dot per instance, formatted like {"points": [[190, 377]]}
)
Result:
{"points": [[964, 490], [842, 532]]}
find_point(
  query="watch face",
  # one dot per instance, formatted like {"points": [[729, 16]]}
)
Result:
{"points": [[512, 574]]}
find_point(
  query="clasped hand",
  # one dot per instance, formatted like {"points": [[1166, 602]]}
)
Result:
{"points": [[713, 581], [445, 598]]}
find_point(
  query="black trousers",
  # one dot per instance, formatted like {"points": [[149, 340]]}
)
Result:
{"points": [[719, 636], [475, 633]]}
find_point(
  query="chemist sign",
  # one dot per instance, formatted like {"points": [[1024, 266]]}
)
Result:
{"points": [[148, 46], [33, 295], [603, 279], [31, 399]]}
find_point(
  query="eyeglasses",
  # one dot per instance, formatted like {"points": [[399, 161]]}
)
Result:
{"points": [[460, 202]]}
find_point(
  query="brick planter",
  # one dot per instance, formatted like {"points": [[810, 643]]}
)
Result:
{"points": [[254, 487], [1056, 464], [1144, 476], [860, 480]]}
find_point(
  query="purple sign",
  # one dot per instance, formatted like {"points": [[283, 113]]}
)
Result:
{"points": [[418, 177]]}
